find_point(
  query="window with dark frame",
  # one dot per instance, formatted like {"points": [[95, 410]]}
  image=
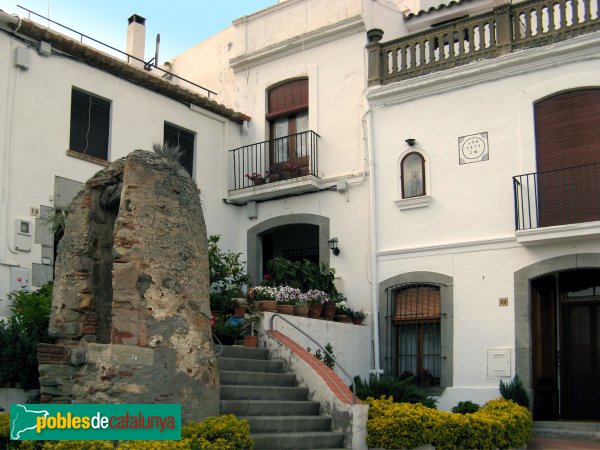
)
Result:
{"points": [[90, 124], [288, 122], [176, 136], [412, 169], [417, 320]]}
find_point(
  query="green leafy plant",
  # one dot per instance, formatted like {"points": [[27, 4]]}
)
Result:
{"points": [[20, 334], [324, 357], [401, 391], [226, 270], [515, 391], [304, 275], [466, 407], [218, 433]]}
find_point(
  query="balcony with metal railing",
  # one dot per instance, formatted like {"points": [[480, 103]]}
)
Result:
{"points": [[545, 201], [283, 166], [510, 27]]}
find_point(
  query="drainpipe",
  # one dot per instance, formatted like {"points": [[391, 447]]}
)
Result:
{"points": [[373, 224], [13, 22]]}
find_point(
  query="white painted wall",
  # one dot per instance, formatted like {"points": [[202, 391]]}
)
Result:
{"points": [[34, 124], [467, 230]]}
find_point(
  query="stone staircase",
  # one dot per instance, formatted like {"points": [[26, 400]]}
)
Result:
{"points": [[570, 430], [255, 388]]}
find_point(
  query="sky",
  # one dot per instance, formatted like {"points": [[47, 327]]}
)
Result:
{"points": [[181, 24]]}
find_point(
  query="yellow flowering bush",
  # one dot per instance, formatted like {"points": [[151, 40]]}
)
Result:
{"points": [[498, 424], [218, 433], [399, 425], [155, 445], [78, 445]]}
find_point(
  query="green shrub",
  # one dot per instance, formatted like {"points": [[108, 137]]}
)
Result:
{"points": [[515, 391], [498, 424], [399, 425], [78, 445], [467, 407], [4, 430], [402, 391], [20, 334], [218, 433], [184, 444]]}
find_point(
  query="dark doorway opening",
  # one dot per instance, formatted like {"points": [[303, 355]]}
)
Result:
{"points": [[565, 322]]}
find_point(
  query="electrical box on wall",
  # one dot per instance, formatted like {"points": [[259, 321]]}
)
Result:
{"points": [[23, 233], [498, 362]]}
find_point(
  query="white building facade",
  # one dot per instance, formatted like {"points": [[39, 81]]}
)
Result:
{"points": [[456, 166], [69, 110]]}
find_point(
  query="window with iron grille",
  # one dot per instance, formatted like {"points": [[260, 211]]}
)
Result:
{"points": [[90, 119], [184, 139], [416, 316]]}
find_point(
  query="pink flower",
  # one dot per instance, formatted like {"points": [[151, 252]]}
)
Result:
{"points": [[19, 279]]}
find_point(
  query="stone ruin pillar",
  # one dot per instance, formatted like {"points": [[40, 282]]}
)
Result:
{"points": [[130, 314]]}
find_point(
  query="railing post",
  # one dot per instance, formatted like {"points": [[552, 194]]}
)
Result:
{"points": [[504, 29], [374, 57]]}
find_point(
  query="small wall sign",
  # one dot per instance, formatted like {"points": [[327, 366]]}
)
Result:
{"points": [[473, 148]]}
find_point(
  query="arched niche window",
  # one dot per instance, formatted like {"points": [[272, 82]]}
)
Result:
{"points": [[412, 174]]}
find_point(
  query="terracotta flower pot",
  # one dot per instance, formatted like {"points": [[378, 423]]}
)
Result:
{"points": [[343, 318], [328, 312], [314, 311], [357, 321], [250, 341], [266, 305], [285, 309], [301, 311]]}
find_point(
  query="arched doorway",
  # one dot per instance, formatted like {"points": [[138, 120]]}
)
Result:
{"points": [[565, 325], [293, 236]]}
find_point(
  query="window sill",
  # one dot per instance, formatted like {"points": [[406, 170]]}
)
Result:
{"points": [[414, 202], [88, 158]]}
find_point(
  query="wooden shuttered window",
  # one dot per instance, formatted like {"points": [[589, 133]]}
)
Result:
{"points": [[90, 121], [417, 303], [567, 132], [288, 98]]}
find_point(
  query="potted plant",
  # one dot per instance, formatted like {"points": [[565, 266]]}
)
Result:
{"points": [[286, 298], [315, 300], [358, 317], [251, 319], [257, 178], [424, 377], [264, 298], [341, 312], [301, 308], [289, 170], [227, 331]]}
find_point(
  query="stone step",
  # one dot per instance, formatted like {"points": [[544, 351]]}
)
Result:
{"points": [[288, 424], [561, 429], [257, 378], [237, 392], [233, 351], [269, 407], [309, 439], [250, 365]]}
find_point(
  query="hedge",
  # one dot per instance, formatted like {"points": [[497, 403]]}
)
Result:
{"points": [[498, 424], [225, 432]]}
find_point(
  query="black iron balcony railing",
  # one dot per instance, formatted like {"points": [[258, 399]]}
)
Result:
{"points": [[557, 197], [509, 27], [276, 160]]}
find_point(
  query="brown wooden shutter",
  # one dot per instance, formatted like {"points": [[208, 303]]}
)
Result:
{"points": [[567, 130], [417, 303], [288, 98]]}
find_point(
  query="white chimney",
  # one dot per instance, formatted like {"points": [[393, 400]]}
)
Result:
{"points": [[136, 39]]}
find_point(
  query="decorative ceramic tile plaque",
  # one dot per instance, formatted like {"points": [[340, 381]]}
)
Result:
{"points": [[473, 148]]}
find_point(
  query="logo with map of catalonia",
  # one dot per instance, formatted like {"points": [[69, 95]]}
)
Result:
{"points": [[24, 420]]}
